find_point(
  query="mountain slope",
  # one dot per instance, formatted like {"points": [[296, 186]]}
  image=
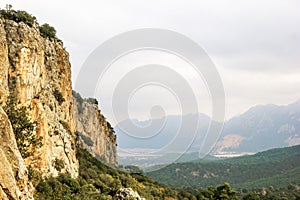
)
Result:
{"points": [[263, 127], [98, 181], [277, 167]]}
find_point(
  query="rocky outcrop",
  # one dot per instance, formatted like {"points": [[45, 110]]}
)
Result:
{"points": [[94, 131], [14, 182], [127, 193], [37, 71]]}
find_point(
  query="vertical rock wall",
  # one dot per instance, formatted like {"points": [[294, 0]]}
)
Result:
{"points": [[93, 129], [36, 70], [14, 182]]}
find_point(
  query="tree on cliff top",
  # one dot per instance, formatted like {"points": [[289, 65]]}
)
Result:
{"points": [[22, 16], [18, 16], [47, 31]]}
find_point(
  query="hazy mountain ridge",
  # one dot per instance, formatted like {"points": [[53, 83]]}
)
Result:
{"points": [[167, 132], [261, 127], [265, 127]]}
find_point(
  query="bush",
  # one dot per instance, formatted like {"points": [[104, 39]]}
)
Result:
{"points": [[47, 31], [220, 192], [77, 96], [18, 16], [58, 96], [66, 126], [34, 176], [22, 16], [79, 100], [133, 169], [251, 196], [23, 128], [92, 101], [52, 188], [59, 164], [110, 127]]}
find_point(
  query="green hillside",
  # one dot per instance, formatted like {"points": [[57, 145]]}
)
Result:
{"points": [[278, 168], [98, 181]]}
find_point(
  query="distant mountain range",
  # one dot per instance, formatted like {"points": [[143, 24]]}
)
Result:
{"points": [[156, 133], [260, 128]]}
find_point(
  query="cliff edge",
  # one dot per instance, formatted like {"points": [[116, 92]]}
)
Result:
{"points": [[95, 133]]}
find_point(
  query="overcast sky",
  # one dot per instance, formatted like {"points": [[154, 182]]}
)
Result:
{"points": [[255, 44]]}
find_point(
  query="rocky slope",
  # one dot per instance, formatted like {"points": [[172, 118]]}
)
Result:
{"points": [[36, 70], [94, 131]]}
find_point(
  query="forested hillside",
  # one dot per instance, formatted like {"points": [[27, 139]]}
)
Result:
{"points": [[98, 181], [278, 168]]}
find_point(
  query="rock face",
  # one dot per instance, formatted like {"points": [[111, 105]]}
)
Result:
{"points": [[94, 131], [127, 193], [37, 71], [14, 182]]}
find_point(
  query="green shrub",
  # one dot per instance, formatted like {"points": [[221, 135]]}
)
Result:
{"points": [[251, 196], [133, 169], [77, 96], [79, 100], [34, 176], [110, 127], [22, 16], [59, 164], [66, 126], [220, 192], [70, 182], [23, 127], [92, 101], [58, 96], [47, 31], [52, 188], [18, 16]]}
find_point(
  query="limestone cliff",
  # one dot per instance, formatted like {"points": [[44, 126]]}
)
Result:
{"points": [[37, 71], [14, 182], [94, 131]]}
